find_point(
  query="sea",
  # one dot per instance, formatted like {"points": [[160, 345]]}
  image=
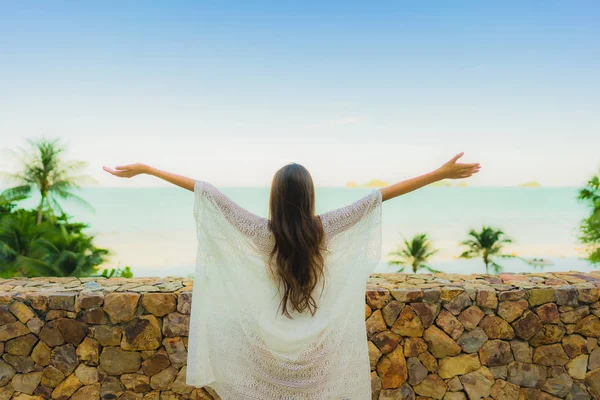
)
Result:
{"points": [[152, 230]]}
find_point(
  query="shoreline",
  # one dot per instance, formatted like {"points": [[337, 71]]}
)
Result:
{"points": [[178, 251]]}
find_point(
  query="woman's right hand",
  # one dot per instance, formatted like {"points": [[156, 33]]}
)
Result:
{"points": [[128, 171], [454, 170]]}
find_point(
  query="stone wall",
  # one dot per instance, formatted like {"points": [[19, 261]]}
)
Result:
{"points": [[430, 337], [501, 337], [65, 338]]}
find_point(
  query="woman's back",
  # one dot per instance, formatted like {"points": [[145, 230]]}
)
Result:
{"points": [[241, 344]]}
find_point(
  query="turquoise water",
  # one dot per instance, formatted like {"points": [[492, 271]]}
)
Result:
{"points": [[152, 229]]}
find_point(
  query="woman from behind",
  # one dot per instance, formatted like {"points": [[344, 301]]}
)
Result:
{"points": [[278, 303]]}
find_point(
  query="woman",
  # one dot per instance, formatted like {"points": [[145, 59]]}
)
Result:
{"points": [[278, 303]]}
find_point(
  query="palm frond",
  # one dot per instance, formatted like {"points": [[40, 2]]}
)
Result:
{"points": [[15, 194], [468, 254], [36, 267], [7, 252], [471, 243], [497, 268], [55, 205], [65, 195], [395, 262], [428, 268], [430, 253], [83, 180], [14, 177]]}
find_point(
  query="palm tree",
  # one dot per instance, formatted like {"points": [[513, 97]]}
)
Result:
{"points": [[43, 170], [487, 244], [414, 253]]}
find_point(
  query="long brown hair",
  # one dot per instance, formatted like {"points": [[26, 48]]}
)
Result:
{"points": [[298, 237]]}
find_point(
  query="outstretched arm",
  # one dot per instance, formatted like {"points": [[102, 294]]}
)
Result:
{"points": [[450, 170], [131, 170]]}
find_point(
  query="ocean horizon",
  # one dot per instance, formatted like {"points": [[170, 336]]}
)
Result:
{"points": [[152, 230]]}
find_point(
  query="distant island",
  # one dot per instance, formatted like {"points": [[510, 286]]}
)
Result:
{"points": [[374, 183], [446, 183], [443, 183], [530, 185]]}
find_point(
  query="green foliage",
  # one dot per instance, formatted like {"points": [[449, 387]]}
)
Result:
{"points": [[590, 226], [42, 169], [7, 202], [125, 273], [414, 254], [117, 273], [487, 244], [53, 248], [44, 242]]}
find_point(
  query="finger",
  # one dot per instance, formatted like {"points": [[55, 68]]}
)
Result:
{"points": [[122, 167], [456, 157], [113, 172], [467, 169], [471, 165], [471, 169]]}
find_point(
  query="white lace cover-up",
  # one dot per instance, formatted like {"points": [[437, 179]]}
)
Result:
{"points": [[239, 344]]}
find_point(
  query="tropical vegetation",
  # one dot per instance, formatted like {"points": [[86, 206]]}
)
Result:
{"points": [[44, 171], [44, 241], [414, 253], [590, 226], [487, 244], [53, 248]]}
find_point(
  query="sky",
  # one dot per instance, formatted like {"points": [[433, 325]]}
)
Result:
{"points": [[230, 91]]}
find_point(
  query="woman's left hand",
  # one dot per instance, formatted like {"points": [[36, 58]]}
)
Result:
{"points": [[454, 170], [127, 171]]}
